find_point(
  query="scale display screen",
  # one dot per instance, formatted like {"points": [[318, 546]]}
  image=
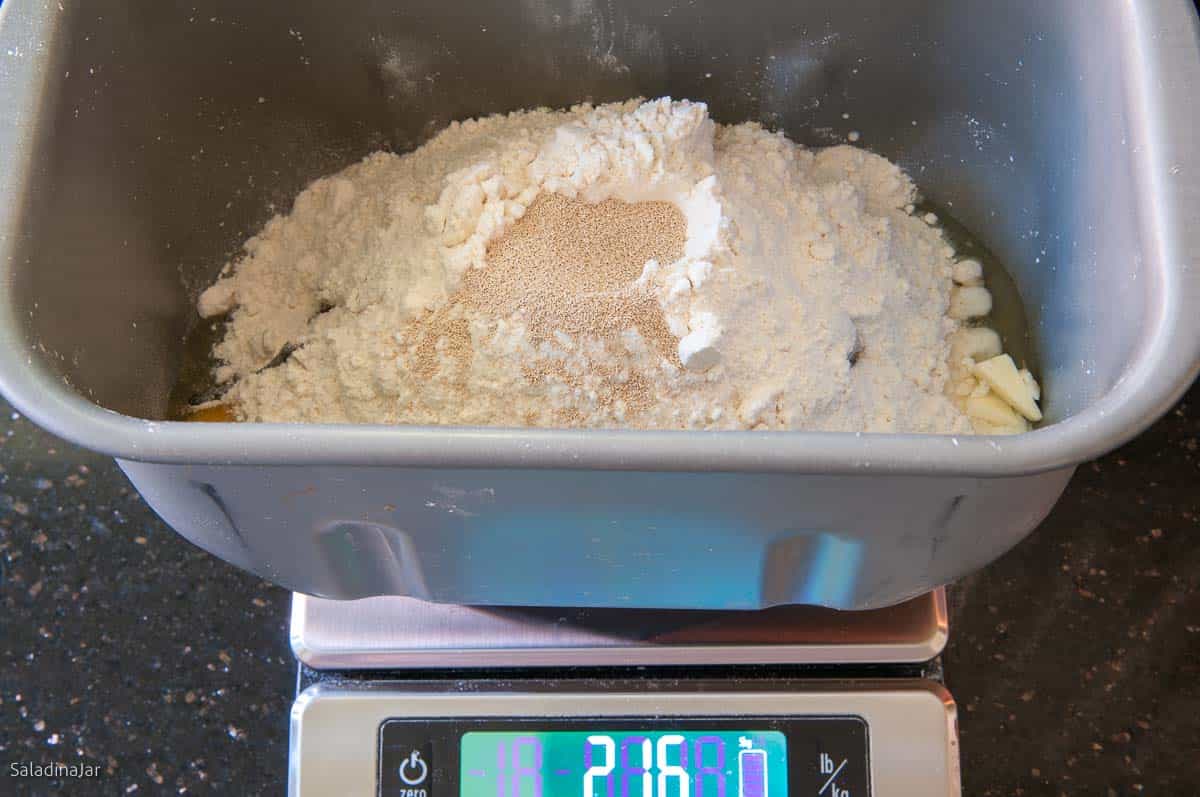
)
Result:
{"points": [[687, 757], [607, 762]]}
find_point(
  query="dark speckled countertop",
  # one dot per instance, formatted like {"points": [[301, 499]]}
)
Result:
{"points": [[123, 645], [1075, 659]]}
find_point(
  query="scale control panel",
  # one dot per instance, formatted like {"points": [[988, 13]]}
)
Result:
{"points": [[610, 757], [881, 738]]}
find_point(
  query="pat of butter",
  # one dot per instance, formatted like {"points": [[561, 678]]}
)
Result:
{"points": [[1001, 375], [978, 343], [995, 412], [968, 272], [983, 427], [970, 301]]}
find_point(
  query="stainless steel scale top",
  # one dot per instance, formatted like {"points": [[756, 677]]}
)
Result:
{"points": [[405, 633]]}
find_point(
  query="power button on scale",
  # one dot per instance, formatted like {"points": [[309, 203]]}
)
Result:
{"points": [[414, 770], [406, 764]]}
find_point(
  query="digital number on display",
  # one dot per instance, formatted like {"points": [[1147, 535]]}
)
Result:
{"points": [[740, 763]]}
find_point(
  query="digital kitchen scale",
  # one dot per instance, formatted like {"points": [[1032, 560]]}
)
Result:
{"points": [[402, 698]]}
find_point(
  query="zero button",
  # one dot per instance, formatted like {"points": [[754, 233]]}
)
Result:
{"points": [[414, 770]]}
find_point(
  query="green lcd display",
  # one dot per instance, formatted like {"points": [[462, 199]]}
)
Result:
{"points": [[624, 763]]}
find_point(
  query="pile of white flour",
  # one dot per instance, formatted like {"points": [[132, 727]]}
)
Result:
{"points": [[806, 296]]}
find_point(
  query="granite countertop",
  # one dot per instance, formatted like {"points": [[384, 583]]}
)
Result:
{"points": [[1075, 659]]}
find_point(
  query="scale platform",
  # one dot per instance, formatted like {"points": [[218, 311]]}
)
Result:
{"points": [[404, 633], [403, 698]]}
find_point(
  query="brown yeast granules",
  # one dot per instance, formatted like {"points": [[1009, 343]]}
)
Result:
{"points": [[570, 266], [567, 267]]}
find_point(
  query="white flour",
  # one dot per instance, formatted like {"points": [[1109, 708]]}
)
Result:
{"points": [[807, 297]]}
